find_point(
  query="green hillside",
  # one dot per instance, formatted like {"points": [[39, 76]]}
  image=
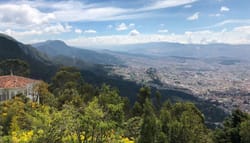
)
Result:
{"points": [[40, 67]]}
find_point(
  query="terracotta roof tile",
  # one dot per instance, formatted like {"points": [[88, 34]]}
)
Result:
{"points": [[15, 81]]}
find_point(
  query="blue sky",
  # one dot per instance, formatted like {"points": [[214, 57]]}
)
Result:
{"points": [[89, 23]]}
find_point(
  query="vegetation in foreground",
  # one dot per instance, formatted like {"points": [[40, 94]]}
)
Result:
{"points": [[73, 111]]}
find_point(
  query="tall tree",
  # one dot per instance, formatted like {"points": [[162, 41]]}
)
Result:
{"points": [[149, 128], [244, 131], [45, 96], [66, 78], [15, 67], [231, 128], [158, 100], [144, 93], [112, 103]]}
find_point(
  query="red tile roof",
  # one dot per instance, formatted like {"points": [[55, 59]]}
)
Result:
{"points": [[15, 81]]}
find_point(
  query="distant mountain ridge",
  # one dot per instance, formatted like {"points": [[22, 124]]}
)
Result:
{"points": [[57, 48], [165, 49]]}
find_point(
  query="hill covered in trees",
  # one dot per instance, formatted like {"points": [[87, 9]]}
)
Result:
{"points": [[56, 49], [39, 66], [75, 111]]}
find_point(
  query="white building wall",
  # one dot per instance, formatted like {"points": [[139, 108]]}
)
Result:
{"points": [[6, 94]]}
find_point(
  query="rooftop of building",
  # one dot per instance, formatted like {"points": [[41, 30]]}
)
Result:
{"points": [[12, 81]]}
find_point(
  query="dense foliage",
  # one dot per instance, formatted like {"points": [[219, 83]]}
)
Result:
{"points": [[14, 66], [73, 111]]}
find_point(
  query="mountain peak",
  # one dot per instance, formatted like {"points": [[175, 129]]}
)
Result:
{"points": [[52, 44], [55, 41]]}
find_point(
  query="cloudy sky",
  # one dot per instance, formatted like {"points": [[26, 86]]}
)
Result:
{"points": [[107, 22]]}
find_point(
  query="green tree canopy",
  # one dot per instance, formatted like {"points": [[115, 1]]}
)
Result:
{"points": [[15, 67], [66, 78], [149, 128]]}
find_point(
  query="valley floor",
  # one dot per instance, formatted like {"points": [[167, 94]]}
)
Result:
{"points": [[225, 83]]}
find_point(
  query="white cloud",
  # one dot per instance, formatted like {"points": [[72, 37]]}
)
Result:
{"points": [[225, 22], [134, 33], [195, 16], [159, 4], [90, 31], [23, 33], [72, 11], [188, 6], [124, 26], [239, 35], [163, 31], [92, 14], [78, 31], [121, 27], [23, 15], [48, 18], [47, 31], [234, 21], [18, 18], [224, 9], [242, 29], [58, 28]]}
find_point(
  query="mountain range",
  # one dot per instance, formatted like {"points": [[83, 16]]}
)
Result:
{"points": [[44, 67], [57, 49], [165, 49], [44, 64]]}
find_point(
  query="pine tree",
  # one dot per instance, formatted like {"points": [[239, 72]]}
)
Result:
{"points": [[149, 126]]}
